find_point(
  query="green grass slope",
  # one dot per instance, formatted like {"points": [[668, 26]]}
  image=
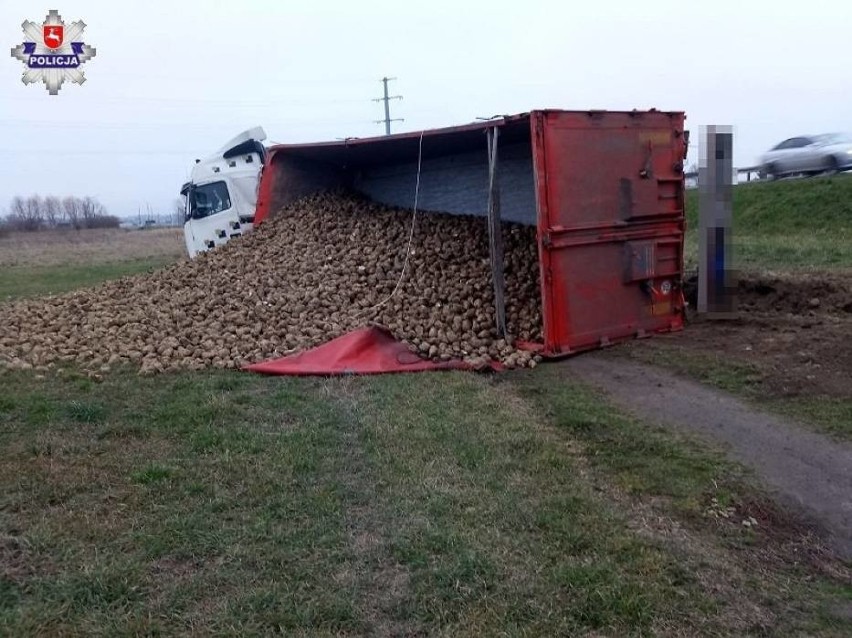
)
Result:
{"points": [[794, 224]]}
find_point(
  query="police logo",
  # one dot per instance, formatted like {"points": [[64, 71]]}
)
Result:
{"points": [[53, 52], [53, 35]]}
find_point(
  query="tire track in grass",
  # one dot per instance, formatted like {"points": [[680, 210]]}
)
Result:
{"points": [[379, 582], [507, 523], [498, 528], [776, 578], [648, 520]]}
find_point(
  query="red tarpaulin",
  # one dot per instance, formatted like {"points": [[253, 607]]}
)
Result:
{"points": [[370, 350]]}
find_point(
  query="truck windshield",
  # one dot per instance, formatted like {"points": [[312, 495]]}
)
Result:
{"points": [[209, 199]]}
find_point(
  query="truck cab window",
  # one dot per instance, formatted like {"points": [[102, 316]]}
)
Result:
{"points": [[209, 199]]}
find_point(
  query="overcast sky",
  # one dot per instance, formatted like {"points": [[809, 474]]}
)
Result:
{"points": [[174, 80]]}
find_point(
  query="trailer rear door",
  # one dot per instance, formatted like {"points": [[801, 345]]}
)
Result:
{"points": [[609, 191]]}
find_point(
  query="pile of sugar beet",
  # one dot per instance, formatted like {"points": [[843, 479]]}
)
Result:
{"points": [[321, 267]]}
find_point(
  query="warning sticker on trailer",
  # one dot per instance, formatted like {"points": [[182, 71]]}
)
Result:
{"points": [[661, 308], [656, 137]]}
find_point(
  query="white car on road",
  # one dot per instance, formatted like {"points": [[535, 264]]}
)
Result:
{"points": [[808, 155]]}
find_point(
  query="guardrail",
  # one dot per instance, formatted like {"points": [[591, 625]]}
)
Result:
{"points": [[748, 171]]}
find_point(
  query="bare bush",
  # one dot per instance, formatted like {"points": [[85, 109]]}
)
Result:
{"points": [[34, 213], [103, 221], [24, 214], [70, 205], [52, 210], [17, 214]]}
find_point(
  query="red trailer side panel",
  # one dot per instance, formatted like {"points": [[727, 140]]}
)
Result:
{"points": [[609, 189]]}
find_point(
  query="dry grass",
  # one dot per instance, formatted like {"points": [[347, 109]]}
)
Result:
{"points": [[53, 262], [90, 247]]}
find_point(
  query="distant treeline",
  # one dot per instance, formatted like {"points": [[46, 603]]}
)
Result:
{"points": [[36, 213]]}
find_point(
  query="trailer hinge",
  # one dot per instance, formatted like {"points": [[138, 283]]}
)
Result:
{"points": [[547, 240], [647, 171]]}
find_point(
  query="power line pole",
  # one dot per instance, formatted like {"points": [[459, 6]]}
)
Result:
{"points": [[386, 99]]}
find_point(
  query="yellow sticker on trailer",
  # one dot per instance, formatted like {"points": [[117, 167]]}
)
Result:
{"points": [[655, 137]]}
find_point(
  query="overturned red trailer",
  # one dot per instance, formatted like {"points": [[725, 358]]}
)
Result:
{"points": [[604, 189]]}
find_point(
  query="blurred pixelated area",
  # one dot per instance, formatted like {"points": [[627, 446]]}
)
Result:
{"points": [[717, 278]]}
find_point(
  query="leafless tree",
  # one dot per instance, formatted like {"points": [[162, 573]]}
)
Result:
{"points": [[33, 218], [52, 210], [17, 208], [16, 219], [70, 206], [95, 215], [34, 212], [88, 210], [25, 213]]}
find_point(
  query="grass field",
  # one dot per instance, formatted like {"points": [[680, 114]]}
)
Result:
{"points": [[432, 504], [58, 261], [26, 281], [452, 503], [789, 225]]}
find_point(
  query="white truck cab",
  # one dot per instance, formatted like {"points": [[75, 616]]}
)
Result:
{"points": [[220, 198]]}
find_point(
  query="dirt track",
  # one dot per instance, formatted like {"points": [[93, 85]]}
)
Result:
{"points": [[806, 469], [796, 332]]}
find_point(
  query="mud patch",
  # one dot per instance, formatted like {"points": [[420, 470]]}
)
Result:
{"points": [[806, 293], [787, 293], [795, 330]]}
